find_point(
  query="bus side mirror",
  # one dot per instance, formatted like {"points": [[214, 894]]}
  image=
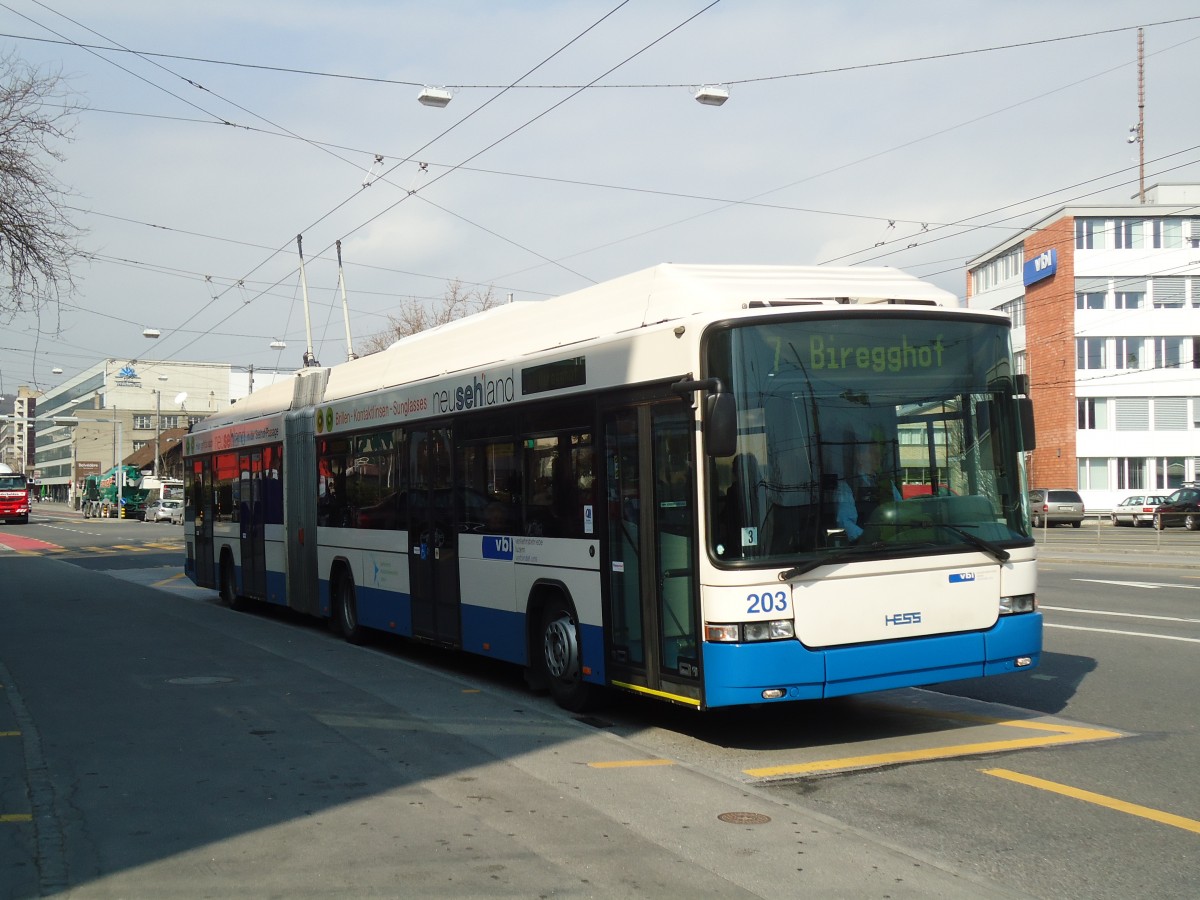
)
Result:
{"points": [[720, 425], [720, 414], [1028, 436]]}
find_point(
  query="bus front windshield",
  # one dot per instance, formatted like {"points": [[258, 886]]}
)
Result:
{"points": [[866, 434]]}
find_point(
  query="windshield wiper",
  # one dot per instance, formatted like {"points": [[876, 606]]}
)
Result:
{"points": [[817, 561], [993, 550]]}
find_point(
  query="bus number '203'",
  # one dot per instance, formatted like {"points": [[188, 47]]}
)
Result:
{"points": [[772, 601]]}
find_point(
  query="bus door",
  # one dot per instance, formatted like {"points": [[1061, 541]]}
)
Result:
{"points": [[652, 595], [251, 518], [433, 537], [201, 510]]}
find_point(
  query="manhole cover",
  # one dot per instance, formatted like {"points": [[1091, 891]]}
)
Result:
{"points": [[200, 679], [744, 818]]}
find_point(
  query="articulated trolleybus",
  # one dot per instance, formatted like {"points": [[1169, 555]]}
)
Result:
{"points": [[716, 485]]}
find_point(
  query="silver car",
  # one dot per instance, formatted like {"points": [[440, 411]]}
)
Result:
{"points": [[1137, 509], [1051, 506], [165, 511]]}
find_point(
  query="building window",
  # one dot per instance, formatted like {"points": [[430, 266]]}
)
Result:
{"points": [[1089, 353], [143, 422], [1129, 352], [1167, 234], [1093, 474], [1131, 299], [1089, 234], [1132, 414], [1170, 414], [1093, 413], [1131, 474], [169, 422], [1015, 309], [1168, 292], [1168, 352], [1127, 234], [138, 445], [1090, 300], [997, 271], [1168, 472]]}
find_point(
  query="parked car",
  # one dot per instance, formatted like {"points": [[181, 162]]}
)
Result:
{"points": [[1137, 509], [1180, 508], [165, 510], [1055, 506]]}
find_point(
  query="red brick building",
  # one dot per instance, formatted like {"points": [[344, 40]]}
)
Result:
{"points": [[1105, 302]]}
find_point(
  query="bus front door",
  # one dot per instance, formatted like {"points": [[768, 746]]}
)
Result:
{"points": [[652, 603], [433, 538], [251, 522]]}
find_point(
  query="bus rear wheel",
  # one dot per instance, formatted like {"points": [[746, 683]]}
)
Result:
{"points": [[561, 660], [346, 609], [229, 591]]}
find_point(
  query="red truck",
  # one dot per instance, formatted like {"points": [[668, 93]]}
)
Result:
{"points": [[14, 497]]}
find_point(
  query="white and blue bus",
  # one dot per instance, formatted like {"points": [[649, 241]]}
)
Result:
{"points": [[651, 484]]}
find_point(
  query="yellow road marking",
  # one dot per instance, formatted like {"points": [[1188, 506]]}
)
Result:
{"points": [[16, 817], [10, 734], [1060, 734], [130, 547], [167, 581], [630, 763], [1155, 815]]}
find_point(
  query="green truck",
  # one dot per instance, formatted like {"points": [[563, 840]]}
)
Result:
{"points": [[102, 499]]}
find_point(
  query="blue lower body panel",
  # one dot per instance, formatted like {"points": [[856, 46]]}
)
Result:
{"points": [[736, 674]]}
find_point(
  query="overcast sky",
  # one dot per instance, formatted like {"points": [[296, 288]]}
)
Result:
{"points": [[856, 133]]}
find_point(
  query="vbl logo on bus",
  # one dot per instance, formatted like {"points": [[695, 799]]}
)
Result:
{"points": [[497, 547]]}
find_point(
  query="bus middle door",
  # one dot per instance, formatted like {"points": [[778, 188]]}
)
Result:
{"points": [[433, 538], [251, 522]]}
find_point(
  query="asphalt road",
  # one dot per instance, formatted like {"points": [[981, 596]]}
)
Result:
{"points": [[157, 744]]}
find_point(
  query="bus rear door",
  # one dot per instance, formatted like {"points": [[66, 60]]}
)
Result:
{"points": [[200, 508]]}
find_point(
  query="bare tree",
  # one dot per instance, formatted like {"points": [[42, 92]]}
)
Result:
{"points": [[415, 316], [37, 238]]}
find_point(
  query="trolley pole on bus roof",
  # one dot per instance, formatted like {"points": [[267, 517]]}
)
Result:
{"points": [[350, 354], [309, 358]]}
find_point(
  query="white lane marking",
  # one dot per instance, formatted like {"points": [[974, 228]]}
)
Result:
{"points": [[1148, 585], [1126, 615], [1161, 637]]}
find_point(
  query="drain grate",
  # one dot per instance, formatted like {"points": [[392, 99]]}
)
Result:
{"points": [[744, 818]]}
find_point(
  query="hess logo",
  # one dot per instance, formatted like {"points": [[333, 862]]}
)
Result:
{"points": [[904, 618]]}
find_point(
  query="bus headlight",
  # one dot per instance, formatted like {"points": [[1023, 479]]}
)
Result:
{"points": [[750, 632], [1018, 603]]}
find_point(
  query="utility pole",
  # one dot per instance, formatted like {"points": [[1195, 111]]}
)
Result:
{"points": [[157, 427], [1141, 127]]}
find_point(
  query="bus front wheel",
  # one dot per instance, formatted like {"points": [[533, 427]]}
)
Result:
{"points": [[561, 662]]}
